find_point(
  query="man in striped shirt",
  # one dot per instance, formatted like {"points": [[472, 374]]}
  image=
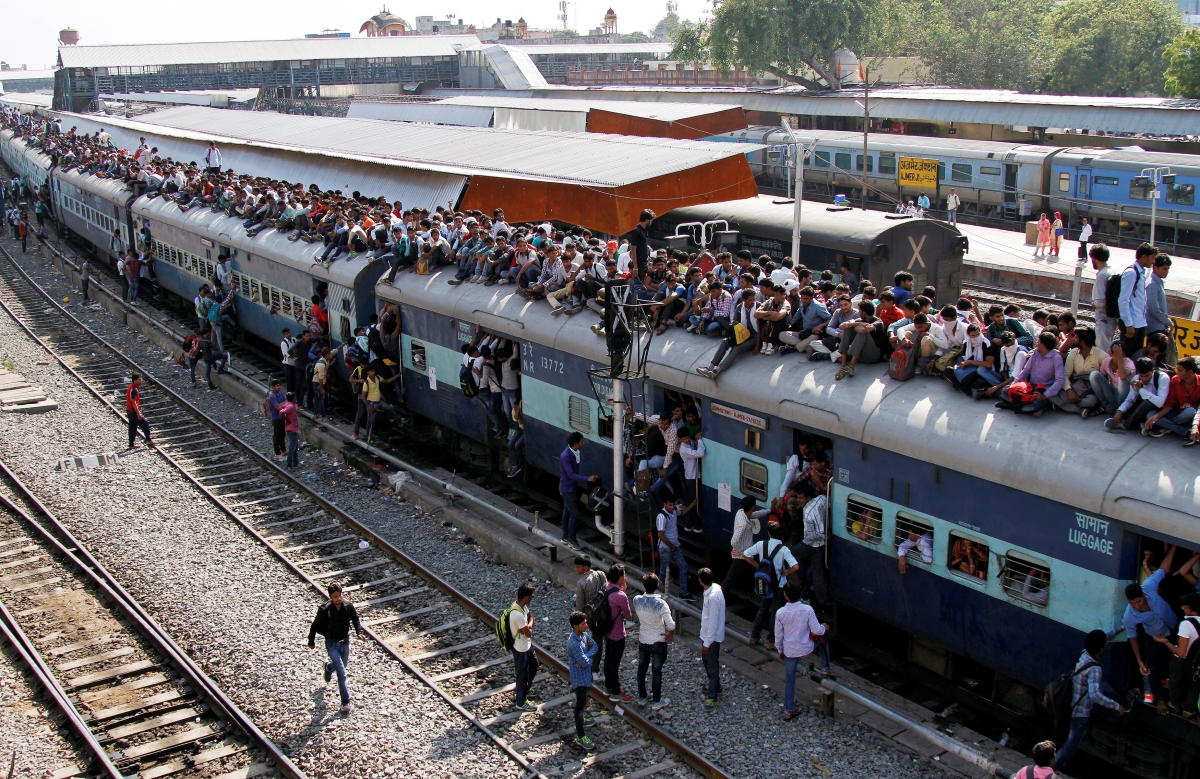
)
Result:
{"points": [[1085, 692]]}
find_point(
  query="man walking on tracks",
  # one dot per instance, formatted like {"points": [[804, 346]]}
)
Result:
{"points": [[133, 411], [333, 621]]}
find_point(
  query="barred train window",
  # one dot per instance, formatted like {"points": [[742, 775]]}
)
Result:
{"points": [[911, 529], [967, 557], [1026, 579], [754, 479], [578, 415], [864, 520]]}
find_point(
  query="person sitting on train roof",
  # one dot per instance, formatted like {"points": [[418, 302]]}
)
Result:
{"points": [[863, 341], [978, 355], [1001, 323], [919, 331], [887, 309], [772, 315], [1036, 323], [1147, 394], [1178, 413], [902, 285], [1155, 349], [1083, 359], [740, 337], [711, 311], [1041, 378], [808, 323]]}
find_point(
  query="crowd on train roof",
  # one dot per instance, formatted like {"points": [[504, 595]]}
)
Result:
{"points": [[1123, 368]]}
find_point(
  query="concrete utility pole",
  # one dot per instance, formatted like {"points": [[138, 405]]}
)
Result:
{"points": [[798, 162], [866, 104]]}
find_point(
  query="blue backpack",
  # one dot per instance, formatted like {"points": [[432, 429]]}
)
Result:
{"points": [[764, 577]]}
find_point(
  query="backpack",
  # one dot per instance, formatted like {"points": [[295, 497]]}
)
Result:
{"points": [[1058, 697], [764, 577], [599, 613], [902, 365], [1112, 291], [503, 631], [466, 380], [1028, 773]]}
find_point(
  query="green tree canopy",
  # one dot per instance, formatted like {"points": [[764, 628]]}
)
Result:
{"points": [[635, 37], [1183, 65], [789, 38], [1111, 47], [983, 44]]}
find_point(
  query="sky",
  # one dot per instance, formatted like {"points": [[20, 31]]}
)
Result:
{"points": [[29, 34]]}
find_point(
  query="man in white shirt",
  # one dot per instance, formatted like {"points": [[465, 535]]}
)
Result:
{"points": [[656, 631], [784, 562], [691, 451], [712, 633], [921, 542], [745, 527], [520, 624], [289, 362], [952, 203], [795, 625]]}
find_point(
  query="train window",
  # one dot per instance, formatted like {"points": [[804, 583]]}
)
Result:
{"points": [[1083, 185], [842, 160], [1064, 182], [274, 298], [864, 520], [1181, 194], [916, 535], [1108, 181], [887, 162], [960, 171], [754, 439], [1140, 190], [254, 293], [858, 163], [989, 171], [754, 479], [578, 414], [967, 557], [822, 159], [1026, 579], [245, 285], [941, 171], [417, 355]]}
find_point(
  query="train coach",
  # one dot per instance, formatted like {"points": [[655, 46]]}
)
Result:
{"points": [[993, 178], [1054, 500], [873, 245]]}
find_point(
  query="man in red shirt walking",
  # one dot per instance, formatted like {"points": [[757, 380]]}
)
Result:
{"points": [[133, 411]]}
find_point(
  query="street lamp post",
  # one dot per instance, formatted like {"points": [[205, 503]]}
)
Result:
{"points": [[1153, 177]]}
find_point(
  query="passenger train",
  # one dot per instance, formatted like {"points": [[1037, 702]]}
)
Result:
{"points": [[994, 178], [1056, 499]]}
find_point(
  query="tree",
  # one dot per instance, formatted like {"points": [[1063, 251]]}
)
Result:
{"points": [[1183, 65], [565, 34], [984, 44], [792, 39], [635, 37], [1111, 47]]}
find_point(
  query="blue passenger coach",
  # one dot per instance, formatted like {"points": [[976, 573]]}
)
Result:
{"points": [[1055, 501]]}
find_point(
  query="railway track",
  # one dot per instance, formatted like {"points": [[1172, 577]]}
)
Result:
{"points": [[439, 634], [136, 703]]}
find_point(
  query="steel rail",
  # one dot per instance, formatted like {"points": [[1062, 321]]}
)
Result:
{"points": [[29, 655], [663, 738]]}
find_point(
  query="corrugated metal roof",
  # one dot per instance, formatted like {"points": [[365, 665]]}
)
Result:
{"points": [[1151, 115], [663, 112], [27, 98], [540, 121], [187, 97], [17, 76], [659, 50], [156, 54], [412, 186], [588, 159], [514, 68], [433, 113]]}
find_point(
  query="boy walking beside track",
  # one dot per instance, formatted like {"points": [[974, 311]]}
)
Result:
{"points": [[133, 410], [581, 650], [333, 621]]}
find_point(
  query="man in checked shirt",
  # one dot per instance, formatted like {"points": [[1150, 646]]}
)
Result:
{"points": [[1085, 692]]}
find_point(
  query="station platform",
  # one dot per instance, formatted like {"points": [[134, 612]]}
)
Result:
{"points": [[1001, 258]]}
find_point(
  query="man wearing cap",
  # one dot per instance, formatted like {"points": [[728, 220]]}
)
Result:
{"points": [[807, 324]]}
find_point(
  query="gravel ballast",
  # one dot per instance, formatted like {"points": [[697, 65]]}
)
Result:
{"points": [[28, 728], [746, 736]]}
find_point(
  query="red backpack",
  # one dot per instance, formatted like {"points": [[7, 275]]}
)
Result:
{"points": [[902, 366]]}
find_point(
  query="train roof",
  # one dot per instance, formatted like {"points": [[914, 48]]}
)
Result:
{"points": [[1132, 157], [271, 244], [885, 140], [109, 189], [1131, 478], [842, 229]]}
